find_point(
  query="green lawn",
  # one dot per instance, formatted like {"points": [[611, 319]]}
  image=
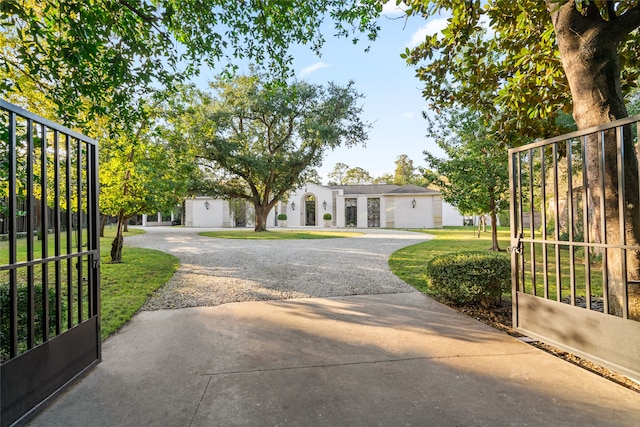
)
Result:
{"points": [[126, 286], [279, 234]]}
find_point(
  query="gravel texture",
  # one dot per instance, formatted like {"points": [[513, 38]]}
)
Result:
{"points": [[216, 271]]}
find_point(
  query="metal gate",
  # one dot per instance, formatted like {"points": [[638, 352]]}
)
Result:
{"points": [[49, 265], [574, 206]]}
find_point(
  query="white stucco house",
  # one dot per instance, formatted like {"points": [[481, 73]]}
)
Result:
{"points": [[359, 206]]}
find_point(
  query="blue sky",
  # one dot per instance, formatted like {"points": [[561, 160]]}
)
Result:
{"points": [[393, 102]]}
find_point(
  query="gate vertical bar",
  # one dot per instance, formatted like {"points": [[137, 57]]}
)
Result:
{"points": [[13, 274], [30, 227], [514, 239], [586, 221], [543, 219], [532, 256], [622, 206], [521, 259], [603, 225], [557, 224], [79, 196], [571, 223], [56, 227], [69, 236], [44, 232]]}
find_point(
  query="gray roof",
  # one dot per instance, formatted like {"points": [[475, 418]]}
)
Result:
{"points": [[383, 189]]}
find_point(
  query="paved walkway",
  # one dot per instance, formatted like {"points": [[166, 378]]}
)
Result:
{"points": [[366, 360]]}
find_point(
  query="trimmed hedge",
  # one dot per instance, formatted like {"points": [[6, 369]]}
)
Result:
{"points": [[282, 217], [470, 277], [326, 217]]}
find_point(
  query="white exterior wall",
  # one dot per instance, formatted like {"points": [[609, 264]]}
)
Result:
{"points": [[296, 217], [396, 210], [450, 215], [197, 215], [340, 217], [406, 216]]}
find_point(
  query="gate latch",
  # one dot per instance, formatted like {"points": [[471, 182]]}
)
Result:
{"points": [[518, 247]]}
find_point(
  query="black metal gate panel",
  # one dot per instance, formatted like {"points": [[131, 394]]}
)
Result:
{"points": [[49, 260], [575, 284]]}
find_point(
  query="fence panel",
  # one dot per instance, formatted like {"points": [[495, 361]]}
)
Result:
{"points": [[49, 260], [576, 277]]}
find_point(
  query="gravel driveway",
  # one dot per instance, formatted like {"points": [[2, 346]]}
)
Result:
{"points": [[217, 271]]}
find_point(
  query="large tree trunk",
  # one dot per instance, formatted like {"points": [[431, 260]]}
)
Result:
{"points": [[261, 217], [493, 214], [588, 48], [118, 241], [103, 223]]}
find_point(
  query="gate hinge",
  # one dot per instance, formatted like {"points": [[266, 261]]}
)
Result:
{"points": [[96, 263], [518, 247]]}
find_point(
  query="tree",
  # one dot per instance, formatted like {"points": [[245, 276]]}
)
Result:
{"points": [[97, 58], [357, 176], [261, 139], [404, 170], [543, 58], [143, 173], [475, 175], [406, 173], [337, 176]]}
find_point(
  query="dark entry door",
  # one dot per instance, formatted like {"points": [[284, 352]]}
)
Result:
{"points": [[50, 287], [310, 209]]}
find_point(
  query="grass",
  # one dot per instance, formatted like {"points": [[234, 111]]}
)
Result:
{"points": [[279, 234], [124, 286]]}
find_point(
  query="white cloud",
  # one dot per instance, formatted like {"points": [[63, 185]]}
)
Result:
{"points": [[432, 27], [408, 115], [390, 8], [312, 68]]}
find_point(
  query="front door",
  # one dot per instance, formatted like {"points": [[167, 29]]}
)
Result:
{"points": [[310, 212], [351, 212]]}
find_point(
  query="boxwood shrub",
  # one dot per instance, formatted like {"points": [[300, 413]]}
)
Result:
{"points": [[470, 277]]}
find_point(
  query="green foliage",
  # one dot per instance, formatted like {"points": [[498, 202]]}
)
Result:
{"points": [[258, 140], [470, 277], [326, 217], [502, 58], [22, 294], [357, 176], [338, 175], [474, 175], [98, 58], [282, 217]]}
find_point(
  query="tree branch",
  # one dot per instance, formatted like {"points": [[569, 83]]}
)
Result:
{"points": [[627, 22]]}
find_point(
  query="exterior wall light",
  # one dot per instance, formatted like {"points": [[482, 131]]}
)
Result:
{"points": [[293, 206], [324, 205], [413, 203], [206, 205]]}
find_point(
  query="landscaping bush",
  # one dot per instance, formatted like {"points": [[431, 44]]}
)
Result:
{"points": [[470, 277], [282, 217], [326, 217], [23, 318]]}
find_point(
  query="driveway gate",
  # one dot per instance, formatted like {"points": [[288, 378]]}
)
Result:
{"points": [[574, 284], [49, 260]]}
